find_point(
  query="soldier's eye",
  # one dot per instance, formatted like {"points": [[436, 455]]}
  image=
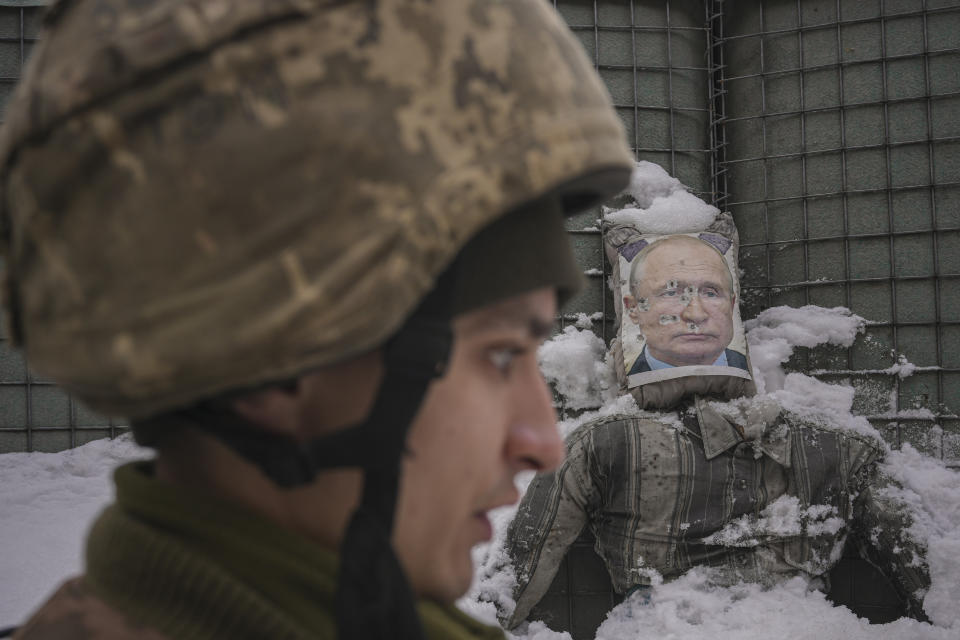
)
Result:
{"points": [[503, 358]]}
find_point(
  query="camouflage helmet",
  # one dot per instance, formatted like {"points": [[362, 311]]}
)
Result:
{"points": [[200, 195]]}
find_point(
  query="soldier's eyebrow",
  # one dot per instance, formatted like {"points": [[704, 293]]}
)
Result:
{"points": [[512, 316], [539, 329]]}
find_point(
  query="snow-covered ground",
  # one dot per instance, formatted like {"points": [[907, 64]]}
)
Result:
{"points": [[48, 500], [689, 608], [577, 364]]}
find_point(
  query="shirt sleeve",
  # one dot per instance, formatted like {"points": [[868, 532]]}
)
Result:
{"points": [[550, 517], [882, 529]]}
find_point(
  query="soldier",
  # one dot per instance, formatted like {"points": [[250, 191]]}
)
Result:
{"points": [[309, 250]]}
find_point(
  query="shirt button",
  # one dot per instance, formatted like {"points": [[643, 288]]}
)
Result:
{"points": [[743, 484]]}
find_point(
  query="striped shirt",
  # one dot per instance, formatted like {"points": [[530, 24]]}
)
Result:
{"points": [[667, 495]]}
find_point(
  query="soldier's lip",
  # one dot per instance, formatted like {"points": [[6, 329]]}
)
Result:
{"points": [[482, 515], [509, 498], [697, 336], [485, 527]]}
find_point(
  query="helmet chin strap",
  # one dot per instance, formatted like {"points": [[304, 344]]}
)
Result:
{"points": [[374, 599]]}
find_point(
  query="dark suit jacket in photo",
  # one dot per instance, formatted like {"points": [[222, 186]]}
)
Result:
{"points": [[734, 359]]}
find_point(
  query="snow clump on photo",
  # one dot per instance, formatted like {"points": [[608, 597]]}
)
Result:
{"points": [[662, 204]]}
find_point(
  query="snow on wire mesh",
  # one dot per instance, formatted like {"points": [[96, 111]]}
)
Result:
{"points": [[692, 607]]}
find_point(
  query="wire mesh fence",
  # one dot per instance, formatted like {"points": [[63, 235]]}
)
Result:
{"points": [[35, 414], [830, 129], [842, 165]]}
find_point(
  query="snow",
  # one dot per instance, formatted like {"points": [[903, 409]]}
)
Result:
{"points": [[903, 368], [663, 204], [621, 405], [932, 493], [692, 607], [776, 332], [774, 335], [49, 501], [573, 362], [585, 321], [908, 414], [782, 517]]}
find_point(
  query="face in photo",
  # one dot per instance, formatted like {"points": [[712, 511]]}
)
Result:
{"points": [[682, 298]]}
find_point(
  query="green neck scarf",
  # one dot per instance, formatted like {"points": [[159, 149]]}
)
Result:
{"points": [[194, 566]]}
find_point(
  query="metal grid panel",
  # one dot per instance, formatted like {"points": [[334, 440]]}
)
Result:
{"points": [[843, 169], [833, 139], [656, 60], [651, 58], [35, 415], [18, 29], [830, 129]]}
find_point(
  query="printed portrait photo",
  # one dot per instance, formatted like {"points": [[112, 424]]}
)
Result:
{"points": [[680, 309]]}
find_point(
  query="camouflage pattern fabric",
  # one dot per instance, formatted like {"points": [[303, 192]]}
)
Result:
{"points": [[74, 612], [202, 195]]}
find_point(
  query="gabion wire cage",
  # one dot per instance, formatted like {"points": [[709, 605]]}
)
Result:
{"points": [[829, 128]]}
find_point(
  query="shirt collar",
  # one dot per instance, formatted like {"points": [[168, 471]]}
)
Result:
{"points": [[721, 433], [652, 362]]}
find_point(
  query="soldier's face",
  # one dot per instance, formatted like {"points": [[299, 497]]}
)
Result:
{"points": [[489, 418], [685, 305]]}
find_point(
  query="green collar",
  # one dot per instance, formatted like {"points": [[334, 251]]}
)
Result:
{"points": [[198, 567]]}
